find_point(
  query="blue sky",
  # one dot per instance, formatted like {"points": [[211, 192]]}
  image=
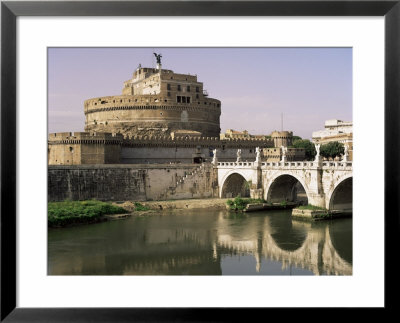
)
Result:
{"points": [[255, 85]]}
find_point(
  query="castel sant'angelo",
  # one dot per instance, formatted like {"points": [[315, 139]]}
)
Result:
{"points": [[161, 117]]}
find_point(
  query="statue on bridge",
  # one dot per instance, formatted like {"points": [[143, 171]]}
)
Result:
{"points": [[214, 160], [346, 153], [317, 156], [317, 148], [239, 155], [284, 151], [258, 155]]}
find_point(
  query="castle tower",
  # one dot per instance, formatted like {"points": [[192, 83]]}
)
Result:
{"points": [[155, 102], [282, 138]]}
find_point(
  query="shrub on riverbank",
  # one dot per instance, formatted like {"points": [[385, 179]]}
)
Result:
{"points": [[73, 212], [239, 204], [141, 207]]}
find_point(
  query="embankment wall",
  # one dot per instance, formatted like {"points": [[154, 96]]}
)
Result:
{"points": [[125, 182]]}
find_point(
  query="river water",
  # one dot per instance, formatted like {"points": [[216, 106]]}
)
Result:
{"points": [[203, 242]]}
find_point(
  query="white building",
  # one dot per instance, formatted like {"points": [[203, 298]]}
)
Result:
{"points": [[336, 130]]}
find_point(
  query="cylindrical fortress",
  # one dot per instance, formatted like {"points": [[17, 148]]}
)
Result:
{"points": [[155, 102]]}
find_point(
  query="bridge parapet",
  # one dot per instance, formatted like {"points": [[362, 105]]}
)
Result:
{"points": [[307, 165], [338, 165], [289, 165], [245, 164], [296, 164]]}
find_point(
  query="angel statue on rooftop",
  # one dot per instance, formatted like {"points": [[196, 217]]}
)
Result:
{"points": [[158, 58]]}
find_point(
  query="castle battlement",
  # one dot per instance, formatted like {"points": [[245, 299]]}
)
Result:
{"points": [[142, 102], [112, 138], [84, 138], [281, 134], [192, 141]]}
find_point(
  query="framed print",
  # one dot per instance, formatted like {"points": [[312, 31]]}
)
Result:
{"points": [[221, 103]]}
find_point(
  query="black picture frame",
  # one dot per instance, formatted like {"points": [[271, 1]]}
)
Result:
{"points": [[10, 10]]}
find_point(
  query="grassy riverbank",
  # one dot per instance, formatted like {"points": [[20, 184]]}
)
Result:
{"points": [[67, 213], [239, 204]]}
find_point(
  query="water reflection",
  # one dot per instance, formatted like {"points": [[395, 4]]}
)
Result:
{"points": [[199, 242]]}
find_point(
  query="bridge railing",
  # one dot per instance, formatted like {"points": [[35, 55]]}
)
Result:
{"points": [[337, 164], [308, 164], [235, 164], [291, 164]]}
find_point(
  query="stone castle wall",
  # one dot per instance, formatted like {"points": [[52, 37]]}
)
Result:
{"points": [[83, 154], [184, 150], [126, 182], [151, 115], [104, 148], [68, 148]]}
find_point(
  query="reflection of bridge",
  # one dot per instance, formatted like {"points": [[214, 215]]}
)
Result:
{"points": [[170, 250], [159, 249], [326, 184], [316, 252]]}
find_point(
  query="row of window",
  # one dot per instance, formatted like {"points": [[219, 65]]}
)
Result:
{"points": [[179, 88], [183, 99], [169, 94]]}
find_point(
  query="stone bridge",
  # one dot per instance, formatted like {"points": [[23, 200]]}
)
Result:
{"points": [[325, 183]]}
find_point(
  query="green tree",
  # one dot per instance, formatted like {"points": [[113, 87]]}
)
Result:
{"points": [[307, 145], [296, 138], [332, 149]]}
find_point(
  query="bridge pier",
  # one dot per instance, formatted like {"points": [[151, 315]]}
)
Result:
{"points": [[257, 193], [256, 190], [316, 199], [316, 194]]}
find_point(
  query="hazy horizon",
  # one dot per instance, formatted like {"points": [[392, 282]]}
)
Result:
{"points": [[255, 85]]}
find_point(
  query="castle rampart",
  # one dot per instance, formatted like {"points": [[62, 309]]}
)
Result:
{"points": [[68, 148], [155, 117], [106, 148]]}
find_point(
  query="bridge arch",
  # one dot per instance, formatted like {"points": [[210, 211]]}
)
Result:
{"points": [[340, 196], [286, 187], [234, 184]]}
